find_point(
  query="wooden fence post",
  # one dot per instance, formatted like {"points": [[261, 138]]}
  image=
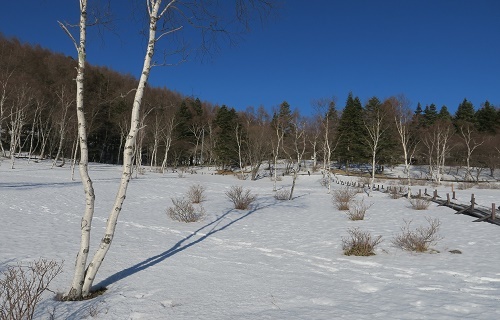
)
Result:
{"points": [[493, 212], [448, 199], [435, 194], [454, 196]]}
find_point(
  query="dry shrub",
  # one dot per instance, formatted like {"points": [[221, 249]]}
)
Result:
{"points": [[465, 185], [420, 203], [278, 177], [419, 239], [283, 194], [181, 172], [241, 176], [196, 193], [488, 185], [242, 199], [418, 182], [324, 181], [358, 210], [360, 243], [184, 211], [21, 287], [343, 197], [365, 180]]}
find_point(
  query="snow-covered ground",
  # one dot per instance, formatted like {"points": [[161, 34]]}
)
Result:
{"points": [[279, 260]]}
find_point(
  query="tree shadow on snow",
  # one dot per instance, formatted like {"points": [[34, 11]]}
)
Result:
{"points": [[179, 246]]}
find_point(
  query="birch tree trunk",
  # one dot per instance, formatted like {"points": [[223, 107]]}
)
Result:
{"points": [[168, 141], [375, 128], [76, 290], [65, 105], [154, 15], [3, 98], [408, 142], [467, 135]]}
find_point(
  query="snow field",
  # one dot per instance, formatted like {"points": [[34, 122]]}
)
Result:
{"points": [[280, 260]]}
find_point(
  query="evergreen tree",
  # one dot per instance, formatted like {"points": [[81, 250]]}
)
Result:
{"points": [[226, 148], [444, 114], [487, 118], [283, 118], [465, 112], [430, 115], [418, 110], [351, 130]]}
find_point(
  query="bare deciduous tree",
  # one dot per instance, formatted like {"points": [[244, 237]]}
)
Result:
{"points": [[471, 141], [437, 142], [409, 141], [375, 124]]}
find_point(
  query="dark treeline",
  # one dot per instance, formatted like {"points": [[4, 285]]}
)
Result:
{"points": [[37, 119]]}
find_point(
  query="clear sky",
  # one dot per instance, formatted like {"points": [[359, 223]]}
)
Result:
{"points": [[432, 51]]}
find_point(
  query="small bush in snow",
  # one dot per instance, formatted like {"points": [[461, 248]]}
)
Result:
{"points": [[283, 194], [324, 181], [420, 203], [488, 185], [184, 211], [21, 287], [343, 197], [419, 239], [242, 199], [196, 193], [360, 243], [357, 211], [181, 172], [278, 177], [241, 176], [465, 185], [365, 180]]}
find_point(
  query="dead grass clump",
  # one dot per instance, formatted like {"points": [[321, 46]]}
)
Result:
{"points": [[343, 197], [242, 199], [358, 210], [181, 172], [488, 185], [420, 203], [184, 211], [241, 176], [360, 243], [419, 239], [21, 287], [283, 194], [465, 185], [364, 180], [324, 181], [196, 193]]}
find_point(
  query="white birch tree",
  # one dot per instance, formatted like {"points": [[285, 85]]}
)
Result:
{"points": [[62, 121], [4, 82], [374, 122], [407, 138], [468, 136], [85, 274], [18, 115]]}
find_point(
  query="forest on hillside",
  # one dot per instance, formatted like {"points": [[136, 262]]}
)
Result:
{"points": [[38, 120]]}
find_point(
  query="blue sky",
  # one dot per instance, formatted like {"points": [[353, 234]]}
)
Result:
{"points": [[432, 51]]}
